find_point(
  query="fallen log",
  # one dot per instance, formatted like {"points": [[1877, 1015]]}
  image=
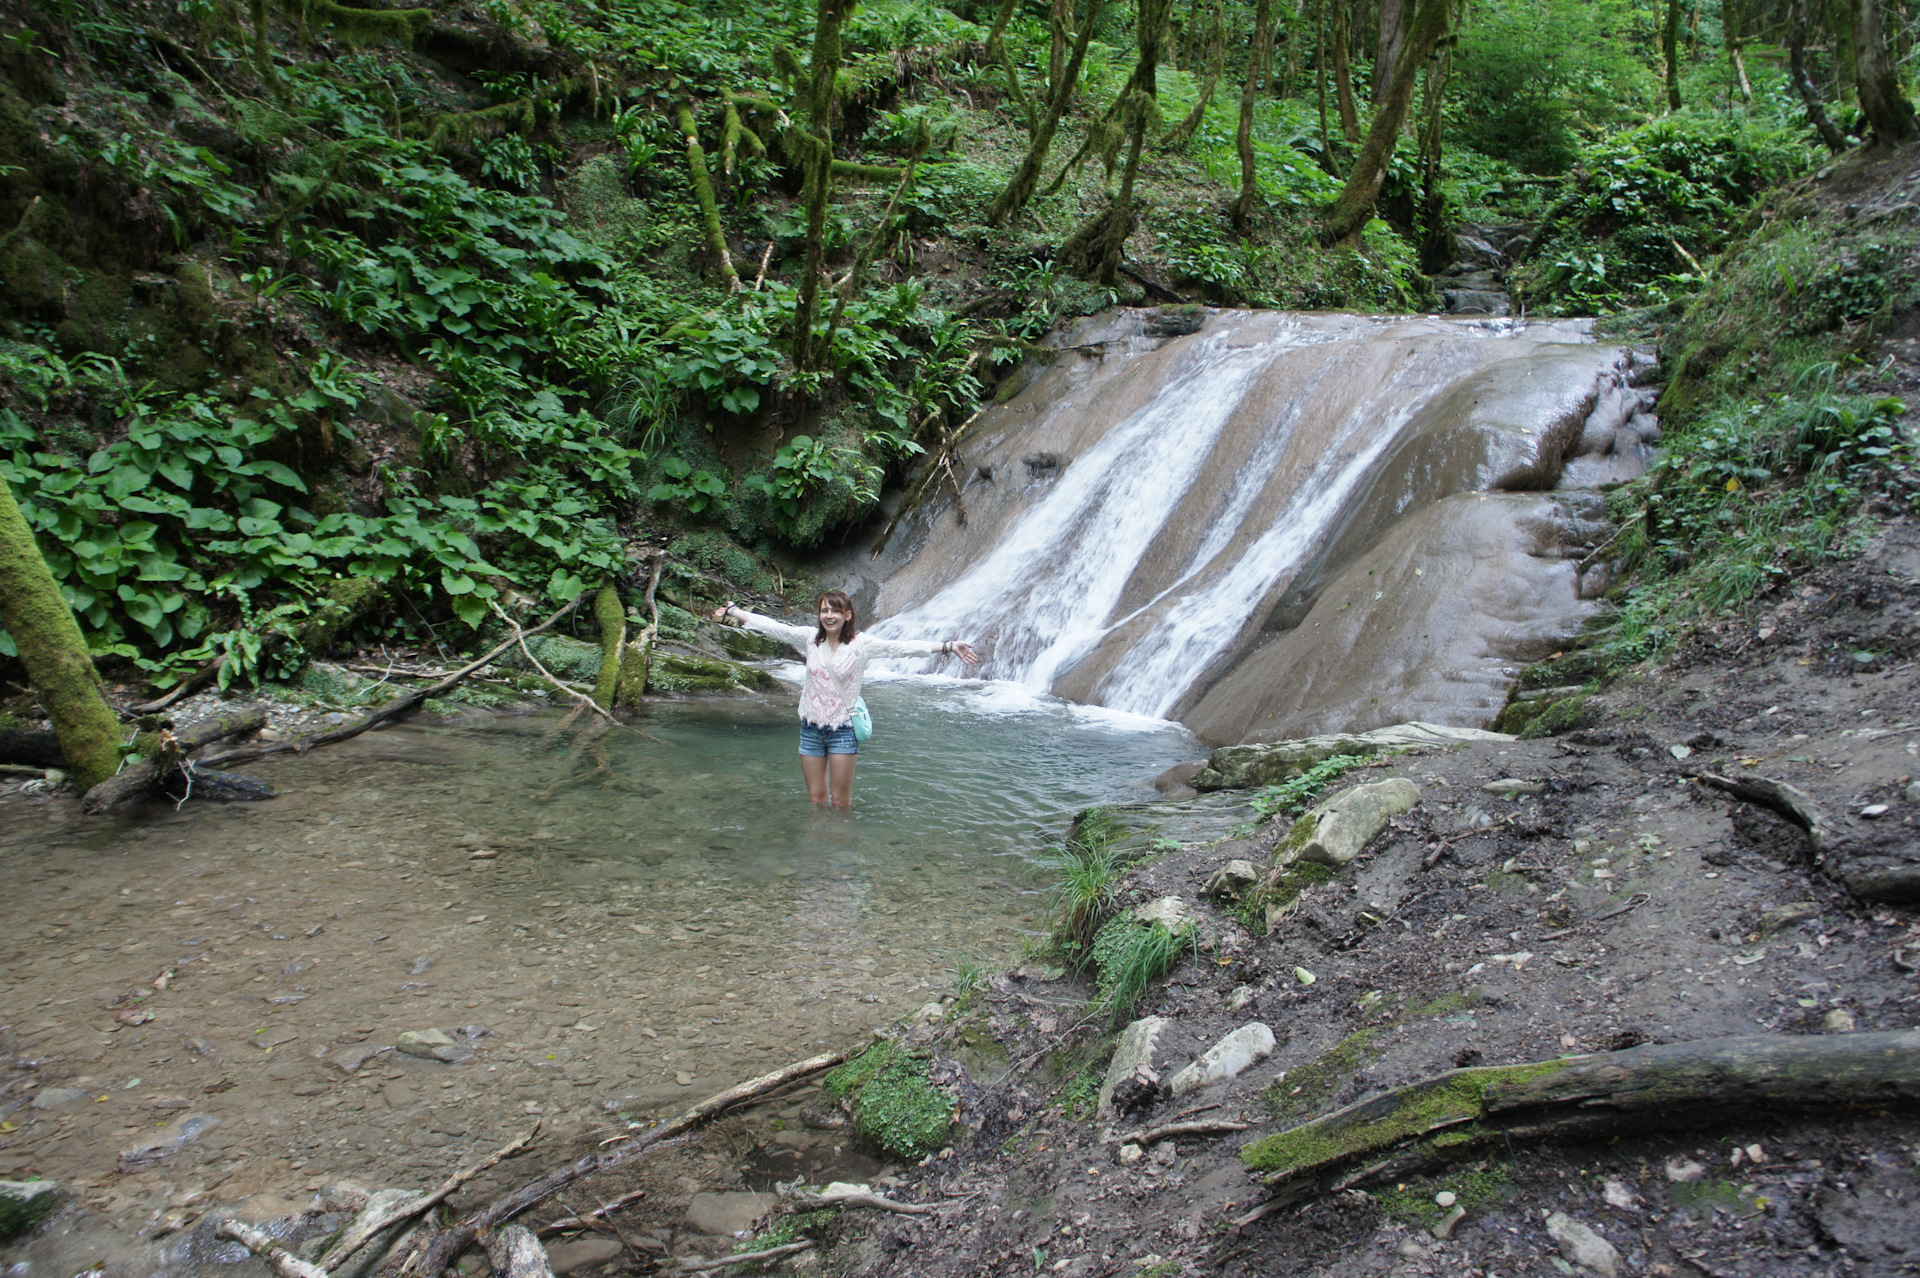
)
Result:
{"points": [[440, 1250], [1465, 1113], [140, 776], [31, 749], [393, 709]]}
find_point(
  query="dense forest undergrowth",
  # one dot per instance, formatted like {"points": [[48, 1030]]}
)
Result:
{"points": [[323, 323]]}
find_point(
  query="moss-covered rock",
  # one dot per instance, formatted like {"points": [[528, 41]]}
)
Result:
{"points": [[1536, 719], [24, 1204], [691, 676], [895, 1104]]}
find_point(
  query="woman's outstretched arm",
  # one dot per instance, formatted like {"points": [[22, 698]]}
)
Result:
{"points": [[922, 648], [801, 637]]}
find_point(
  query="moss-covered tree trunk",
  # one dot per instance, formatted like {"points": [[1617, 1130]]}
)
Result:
{"points": [[817, 141], [612, 616], [1887, 110], [1343, 73], [1425, 26], [54, 653], [1020, 186], [703, 192], [1830, 134], [997, 54], [1142, 91], [1249, 98], [1182, 133]]}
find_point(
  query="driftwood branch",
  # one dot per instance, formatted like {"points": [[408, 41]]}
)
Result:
{"points": [[444, 1247], [521, 638], [1464, 1113], [282, 1261], [365, 1231], [812, 1201], [1789, 801], [393, 709], [185, 686], [585, 1220], [748, 1257], [1153, 1135], [140, 775]]}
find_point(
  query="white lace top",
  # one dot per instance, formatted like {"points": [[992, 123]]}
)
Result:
{"points": [[834, 671]]}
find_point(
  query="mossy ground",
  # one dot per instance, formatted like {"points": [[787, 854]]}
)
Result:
{"points": [[894, 1104]]}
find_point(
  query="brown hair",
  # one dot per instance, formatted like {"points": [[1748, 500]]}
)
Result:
{"points": [[840, 600]]}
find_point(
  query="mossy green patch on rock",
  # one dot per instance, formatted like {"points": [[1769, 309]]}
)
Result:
{"points": [[894, 1103], [1532, 720], [689, 675], [24, 1204]]}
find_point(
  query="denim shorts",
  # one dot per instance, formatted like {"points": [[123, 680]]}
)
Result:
{"points": [[817, 742]]}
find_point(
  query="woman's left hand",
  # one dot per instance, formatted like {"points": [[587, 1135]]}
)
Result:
{"points": [[966, 653]]}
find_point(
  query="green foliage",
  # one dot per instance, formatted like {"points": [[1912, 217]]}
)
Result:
{"points": [[1292, 797], [1475, 1188], [894, 1103], [1129, 956], [1080, 1098], [1082, 898], [1641, 201]]}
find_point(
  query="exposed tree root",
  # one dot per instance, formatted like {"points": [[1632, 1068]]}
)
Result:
{"points": [[140, 776], [1464, 1113]]}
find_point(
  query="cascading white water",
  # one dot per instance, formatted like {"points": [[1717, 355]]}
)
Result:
{"points": [[1143, 568]]}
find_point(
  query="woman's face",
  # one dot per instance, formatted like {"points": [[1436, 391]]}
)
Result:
{"points": [[831, 618]]}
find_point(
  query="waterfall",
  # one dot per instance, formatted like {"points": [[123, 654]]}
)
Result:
{"points": [[1198, 480]]}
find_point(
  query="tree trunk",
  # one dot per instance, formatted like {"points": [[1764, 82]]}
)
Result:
{"points": [[1354, 206], [1343, 72], [1020, 187], [1670, 50], [1142, 92], [1436, 247], [1389, 46], [1887, 110], [54, 652], [1060, 14], [1830, 134], [1243, 140], [1182, 133], [1733, 31], [997, 53], [817, 142], [1465, 1113], [1320, 76], [703, 192], [612, 616]]}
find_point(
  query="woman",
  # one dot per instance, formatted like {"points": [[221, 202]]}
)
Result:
{"points": [[836, 654]]}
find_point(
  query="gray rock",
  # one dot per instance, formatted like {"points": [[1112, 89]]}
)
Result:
{"points": [[1782, 917], [425, 1044], [1169, 912], [24, 1204], [1229, 1058], [59, 1097], [582, 1253], [1913, 792], [1582, 1246], [1515, 785], [1135, 1049], [1232, 879], [1334, 832], [727, 1214], [1246, 766], [167, 1141], [349, 1060], [1477, 301]]}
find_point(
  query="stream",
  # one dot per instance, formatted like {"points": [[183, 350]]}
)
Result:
{"points": [[604, 944]]}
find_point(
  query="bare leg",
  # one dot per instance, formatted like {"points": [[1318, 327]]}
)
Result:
{"points": [[843, 765], [815, 770]]}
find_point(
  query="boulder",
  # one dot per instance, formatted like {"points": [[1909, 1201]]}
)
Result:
{"points": [[1169, 912], [167, 1141], [1231, 880], [583, 1253], [1334, 832], [24, 1204], [727, 1214], [1229, 1058], [433, 1045], [1134, 1051], [1582, 1246], [1245, 766]]}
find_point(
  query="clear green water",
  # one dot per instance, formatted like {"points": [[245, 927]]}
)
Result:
{"points": [[625, 923]]}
